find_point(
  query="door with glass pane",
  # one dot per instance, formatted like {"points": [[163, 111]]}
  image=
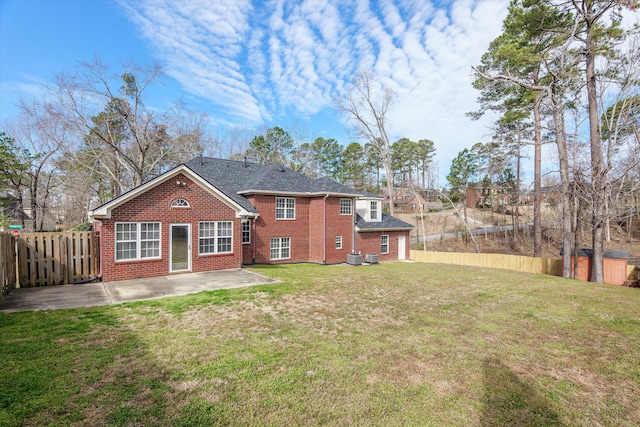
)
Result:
{"points": [[179, 247]]}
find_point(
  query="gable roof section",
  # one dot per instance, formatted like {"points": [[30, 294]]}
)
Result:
{"points": [[388, 223], [231, 180], [241, 209], [242, 178]]}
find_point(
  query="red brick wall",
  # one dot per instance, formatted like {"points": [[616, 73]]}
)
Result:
{"points": [[267, 227], [307, 231], [154, 205], [472, 196], [247, 252], [316, 230], [370, 243], [338, 225]]}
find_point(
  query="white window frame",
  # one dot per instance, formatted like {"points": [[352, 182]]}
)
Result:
{"points": [[338, 242], [384, 244], [135, 234], [346, 207], [278, 244], [285, 208], [373, 209], [215, 236], [246, 232]]}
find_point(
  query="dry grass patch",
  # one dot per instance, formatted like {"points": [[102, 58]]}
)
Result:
{"points": [[392, 344]]}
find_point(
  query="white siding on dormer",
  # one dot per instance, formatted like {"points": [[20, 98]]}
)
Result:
{"points": [[363, 208]]}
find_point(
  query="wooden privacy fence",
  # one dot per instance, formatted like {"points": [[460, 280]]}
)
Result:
{"points": [[525, 264], [550, 266], [7, 264], [46, 259]]}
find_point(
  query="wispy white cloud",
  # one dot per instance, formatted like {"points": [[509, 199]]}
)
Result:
{"points": [[268, 61], [23, 86]]}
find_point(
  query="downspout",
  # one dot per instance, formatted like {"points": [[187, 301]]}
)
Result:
{"points": [[253, 241], [324, 231], [353, 227], [101, 250]]}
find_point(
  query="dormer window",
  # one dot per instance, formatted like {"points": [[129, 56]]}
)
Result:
{"points": [[180, 203], [373, 210]]}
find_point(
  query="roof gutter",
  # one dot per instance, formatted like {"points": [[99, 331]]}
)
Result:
{"points": [[297, 193]]}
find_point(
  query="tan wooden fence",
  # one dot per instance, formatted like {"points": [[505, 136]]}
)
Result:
{"points": [[46, 259], [7, 264], [550, 266], [525, 264]]}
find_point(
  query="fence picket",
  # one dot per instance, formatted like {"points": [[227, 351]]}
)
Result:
{"points": [[8, 278], [46, 259]]}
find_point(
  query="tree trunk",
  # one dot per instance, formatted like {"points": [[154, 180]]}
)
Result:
{"points": [[516, 213], [576, 214], [537, 179], [33, 202], [597, 170], [389, 173], [561, 143]]}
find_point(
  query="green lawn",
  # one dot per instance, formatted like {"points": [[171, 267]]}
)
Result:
{"points": [[391, 344]]}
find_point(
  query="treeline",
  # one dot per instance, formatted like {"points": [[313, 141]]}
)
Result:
{"points": [[91, 137], [355, 165], [567, 73]]}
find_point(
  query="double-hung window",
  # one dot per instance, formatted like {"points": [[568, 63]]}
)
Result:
{"points": [[384, 244], [246, 232], [285, 208], [215, 237], [338, 242], [137, 240], [280, 248], [373, 212], [345, 206]]}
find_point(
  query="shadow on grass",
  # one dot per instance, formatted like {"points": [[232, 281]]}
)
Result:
{"points": [[85, 367], [508, 400]]}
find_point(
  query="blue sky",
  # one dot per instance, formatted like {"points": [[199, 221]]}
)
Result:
{"points": [[266, 63]]}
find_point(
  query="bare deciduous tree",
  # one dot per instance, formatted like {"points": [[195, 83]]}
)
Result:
{"points": [[125, 143], [41, 133], [366, 108]]}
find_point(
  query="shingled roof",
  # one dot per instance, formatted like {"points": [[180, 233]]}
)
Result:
{"points": [[238, 178], [388, 222]]}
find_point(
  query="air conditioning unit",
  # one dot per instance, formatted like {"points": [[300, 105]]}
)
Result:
{"points": [[372, 258], [354, 259]]}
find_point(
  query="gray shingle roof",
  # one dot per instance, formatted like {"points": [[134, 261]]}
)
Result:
{"points": [[388, 223], [235, 178], [228, 176]]}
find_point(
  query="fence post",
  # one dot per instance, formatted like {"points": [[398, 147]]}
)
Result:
{"points": [[8, 264]]}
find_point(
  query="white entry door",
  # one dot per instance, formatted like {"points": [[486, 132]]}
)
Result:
{"points": [[402, 253], [179, 247]]}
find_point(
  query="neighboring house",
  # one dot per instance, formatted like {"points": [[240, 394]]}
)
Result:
{"points": [[487, 196], [548, 195], [14, 215], [211, 214], [407, 201]]}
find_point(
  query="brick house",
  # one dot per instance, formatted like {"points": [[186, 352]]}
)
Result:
{"points": [[410, 201], [487, 196], [212, 214]]}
